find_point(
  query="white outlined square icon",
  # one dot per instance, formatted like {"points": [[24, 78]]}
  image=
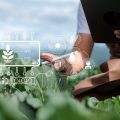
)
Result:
{"points": [[20, 53]]}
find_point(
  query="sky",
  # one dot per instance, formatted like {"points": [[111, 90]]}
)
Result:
{"points": [[43, 16], [52, 22]]}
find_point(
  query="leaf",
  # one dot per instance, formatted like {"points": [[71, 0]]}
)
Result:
{"points": [[92, 102], [34, 102], [5, 53], [10, 53], [21, 96], [63, 107], [75, 79], [11, 57], [4, 57], [46, 77], [9, 109]]}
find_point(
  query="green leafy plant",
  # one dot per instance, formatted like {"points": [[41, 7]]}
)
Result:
{"points": [[48, 96]]}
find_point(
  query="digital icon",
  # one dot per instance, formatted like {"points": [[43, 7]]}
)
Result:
{"points": [[20, 53], [8, 54]]}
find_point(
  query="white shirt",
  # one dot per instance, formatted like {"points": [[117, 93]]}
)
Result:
{"points": [[82, 25]]}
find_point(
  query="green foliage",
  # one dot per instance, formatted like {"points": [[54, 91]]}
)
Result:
{"points": [[64, 107], [75, 79], [46, 95], [9, 109]]}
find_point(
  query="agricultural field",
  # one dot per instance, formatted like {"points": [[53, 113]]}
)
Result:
{"points": [[49, 96]]}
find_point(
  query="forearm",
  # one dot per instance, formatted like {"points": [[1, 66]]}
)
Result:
{"points": [[84, 43]]}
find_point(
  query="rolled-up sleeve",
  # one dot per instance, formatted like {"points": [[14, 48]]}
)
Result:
{"points": [[82, 25]]}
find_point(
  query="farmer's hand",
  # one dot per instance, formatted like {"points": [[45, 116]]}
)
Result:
{"points": [[117, 33], [74, 64]]}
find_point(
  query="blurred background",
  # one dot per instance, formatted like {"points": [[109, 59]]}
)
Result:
{"points": [[52, 22]]}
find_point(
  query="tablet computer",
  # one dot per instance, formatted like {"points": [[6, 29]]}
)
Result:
{"points": [[103, 17]]}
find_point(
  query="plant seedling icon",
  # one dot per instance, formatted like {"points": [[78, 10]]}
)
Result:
{"points": [[8, 54]]}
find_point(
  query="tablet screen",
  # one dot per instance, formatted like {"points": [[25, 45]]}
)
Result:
{"points": [[103, 18]]}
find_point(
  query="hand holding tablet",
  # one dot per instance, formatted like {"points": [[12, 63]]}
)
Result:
{"points": [[117, 33]]}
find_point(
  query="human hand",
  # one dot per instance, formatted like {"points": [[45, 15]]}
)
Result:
{"points": [[74, 64], [117, 33]]}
